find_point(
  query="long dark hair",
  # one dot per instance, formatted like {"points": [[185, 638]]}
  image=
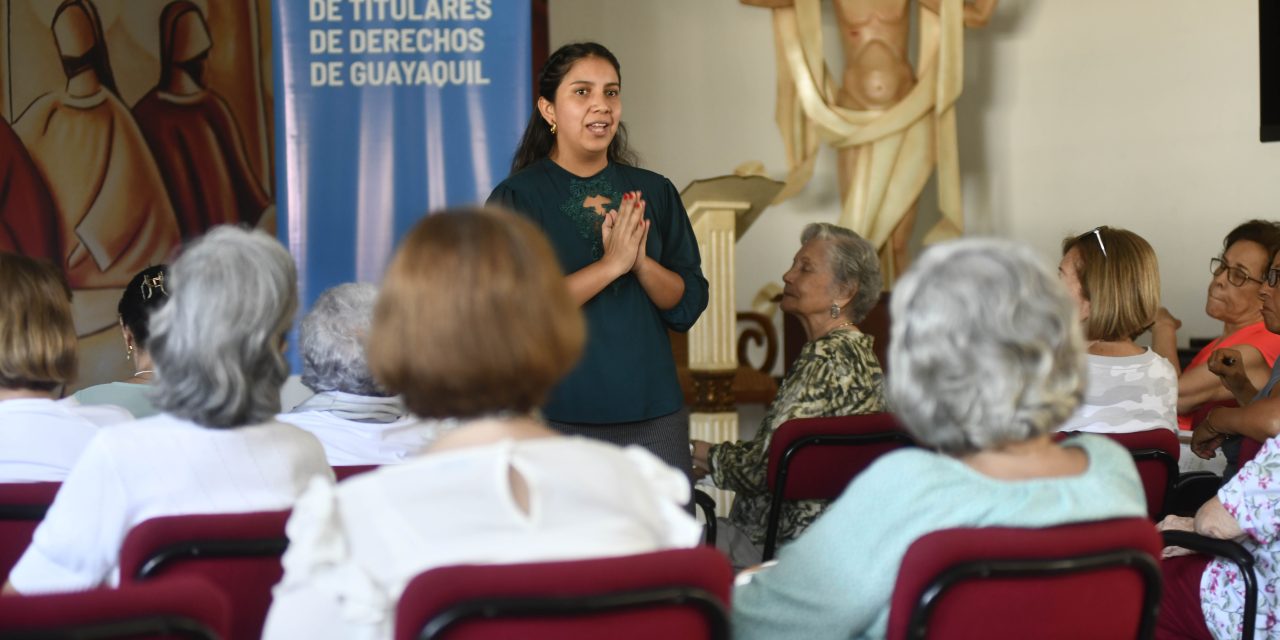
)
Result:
{"points": [[537, 141]]}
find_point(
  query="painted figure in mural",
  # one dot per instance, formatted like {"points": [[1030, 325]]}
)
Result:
{"points": [[193, 134], [891, 122], [113, 215], [28, 221]]}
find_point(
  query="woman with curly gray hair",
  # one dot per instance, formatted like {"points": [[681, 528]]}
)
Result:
{"points": [[217, 348], [356, 421], [982, 387], [832, 284]]}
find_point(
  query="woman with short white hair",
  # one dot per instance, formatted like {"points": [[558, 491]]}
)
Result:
{"points": [[985, 360], [833, 282], [214, 448], [356, 421]]}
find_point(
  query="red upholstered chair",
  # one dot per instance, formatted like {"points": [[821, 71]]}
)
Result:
{"points": [[1155, 454], [239, 553], [22, 507], [178, 608], [1087, 580], [681, 593], [815, 458], [346, 471]]}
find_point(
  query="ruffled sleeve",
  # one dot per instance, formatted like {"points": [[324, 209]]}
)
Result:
{"points": [[671, 489], [324, 592]]}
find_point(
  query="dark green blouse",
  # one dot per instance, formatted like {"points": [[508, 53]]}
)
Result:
{"points": [[627, 372]]}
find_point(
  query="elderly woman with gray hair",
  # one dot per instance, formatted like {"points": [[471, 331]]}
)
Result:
{"points": [[356, 421], [214, 448], [832, 284], [982, 386]]}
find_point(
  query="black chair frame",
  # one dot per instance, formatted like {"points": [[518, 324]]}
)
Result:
{"points": [[784, 467], [1145, 565], [1171, 473], [155, 625], [239, 548], [541, 607], [708, 506], [1232, 552], [23, 511]]}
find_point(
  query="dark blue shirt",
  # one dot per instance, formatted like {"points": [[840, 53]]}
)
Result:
{"points": [[627, 372]]}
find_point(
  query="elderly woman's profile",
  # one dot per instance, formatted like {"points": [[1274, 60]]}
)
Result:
{"points": [[832, 284], [214, 447], [982, 387], [356, 420]]}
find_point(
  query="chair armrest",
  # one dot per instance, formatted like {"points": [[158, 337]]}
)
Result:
{"points": [[1191, 490], [1232, 552]]}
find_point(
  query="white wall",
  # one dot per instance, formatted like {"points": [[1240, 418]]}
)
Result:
{"points": [[1140, 114]]}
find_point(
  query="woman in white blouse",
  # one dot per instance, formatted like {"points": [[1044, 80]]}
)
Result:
{"points": [[473, 327], [214, 449], [40, 438]]}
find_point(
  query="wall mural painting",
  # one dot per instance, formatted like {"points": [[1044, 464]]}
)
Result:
{"points": [[128, 127]]}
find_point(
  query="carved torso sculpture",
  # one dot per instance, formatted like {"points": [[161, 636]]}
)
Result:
{"points": [[891, 122]]}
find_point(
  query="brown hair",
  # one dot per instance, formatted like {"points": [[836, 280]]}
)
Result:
{"points": [[1263, 232], [474, 317], [1122, 285], [37, 337]]}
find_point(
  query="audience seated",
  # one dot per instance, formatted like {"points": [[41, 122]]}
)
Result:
{"points": [[1246, 342], [831, 285], [1203, 597], [473, 326], [41, 438], [217, 347], [357, 422], [1258, 416], [1238, 274], [1113, 276], [982, 386], [145, 293]]}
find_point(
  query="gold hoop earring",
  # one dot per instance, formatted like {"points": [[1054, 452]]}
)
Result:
{"points": [[553, 128]]}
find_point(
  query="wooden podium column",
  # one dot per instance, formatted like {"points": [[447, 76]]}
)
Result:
{"points": [[713, 355]]}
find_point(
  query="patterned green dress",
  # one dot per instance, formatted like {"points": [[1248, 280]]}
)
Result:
{"points": [[835, 375]]}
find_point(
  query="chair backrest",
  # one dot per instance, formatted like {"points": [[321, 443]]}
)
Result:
{"points": [[816, 458], [22, 507], [177, 608], [1086, 580], [1155, 454], [346, 471], [238, 553], [680, 593]]}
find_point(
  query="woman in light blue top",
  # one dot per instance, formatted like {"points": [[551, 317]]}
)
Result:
{"points": [[142, 297], [985, 360]]}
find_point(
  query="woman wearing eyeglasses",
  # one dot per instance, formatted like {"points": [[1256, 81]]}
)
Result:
{"points": [[142, 297], [1113, 276], [1232, 298]]}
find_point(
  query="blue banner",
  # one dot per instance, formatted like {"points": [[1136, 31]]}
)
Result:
{"points": [[386, 109]]}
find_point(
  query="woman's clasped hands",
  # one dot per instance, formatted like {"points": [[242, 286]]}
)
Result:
{"points": [[625, 232]]}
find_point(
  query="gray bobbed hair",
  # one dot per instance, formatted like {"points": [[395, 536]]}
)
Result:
{"points": [[217, 343], [853, 262], [332, 341], [985, 348]]}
